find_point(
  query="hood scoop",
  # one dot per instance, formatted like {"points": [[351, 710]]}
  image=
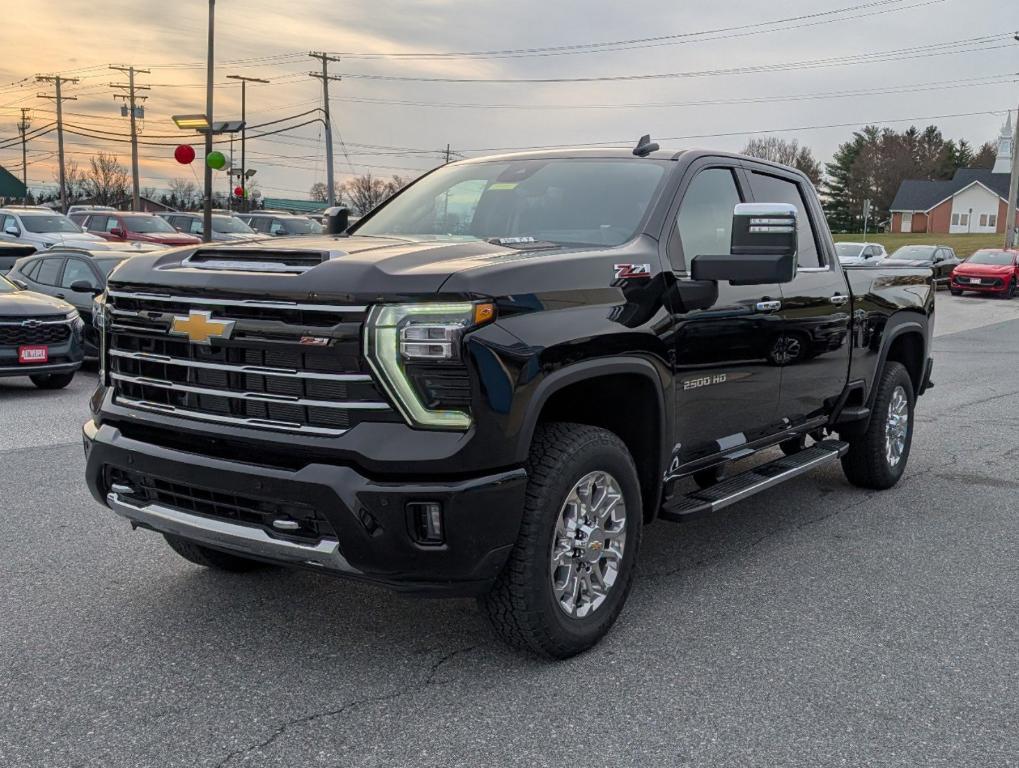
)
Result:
{"points": [[257, 260]]}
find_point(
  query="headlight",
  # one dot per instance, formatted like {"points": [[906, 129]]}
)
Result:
{"points": [[47, 244], [75, 320], [399, 337], [100, 311]]}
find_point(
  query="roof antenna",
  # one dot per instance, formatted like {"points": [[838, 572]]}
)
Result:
{"points": [[645, 146]]}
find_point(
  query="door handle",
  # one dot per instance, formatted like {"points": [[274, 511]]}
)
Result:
{"points": [[61, 296], [838, 300], [768, 306]]}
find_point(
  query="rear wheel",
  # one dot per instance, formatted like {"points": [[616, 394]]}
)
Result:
{"points": [[51, 380], [570, 571], [877, 457], [212, 558]]}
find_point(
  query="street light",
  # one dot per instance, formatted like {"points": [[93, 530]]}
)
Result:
{"points": [[198, 123]]}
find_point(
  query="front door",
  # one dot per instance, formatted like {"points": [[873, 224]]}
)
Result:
{"points": [[812, 349], [726, 386]]}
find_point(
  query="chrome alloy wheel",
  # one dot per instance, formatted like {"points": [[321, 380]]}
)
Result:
{"points": [[896, 426], [588, 545]]}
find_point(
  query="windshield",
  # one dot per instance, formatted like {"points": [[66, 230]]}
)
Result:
{"points": [[7, 286], [230, 224], [106, 265], [146, 224], [564, 201], [49, 223], [848, 250], [998, 258], [301, 226], [915, 253]]}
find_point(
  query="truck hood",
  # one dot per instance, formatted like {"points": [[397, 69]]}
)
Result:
{"points": [[30, 304], [378, 267]]}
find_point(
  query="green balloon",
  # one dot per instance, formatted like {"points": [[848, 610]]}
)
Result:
{"points": [[215, 160]]}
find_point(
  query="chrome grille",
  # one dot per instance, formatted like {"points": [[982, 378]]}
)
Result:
{"points": [[286, 366]]}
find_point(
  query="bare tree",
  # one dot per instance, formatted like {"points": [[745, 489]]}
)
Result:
{"points": [[787, 153], [319, 192], [985, 156], [183, 194], [74, 181], [365, 192], [105, 182]]}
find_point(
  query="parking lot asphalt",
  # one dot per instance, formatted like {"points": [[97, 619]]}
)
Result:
{"points": [[815, 625]]}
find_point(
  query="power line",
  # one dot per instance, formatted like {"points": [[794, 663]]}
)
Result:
{"points": [[720, 33], [954, 47]]}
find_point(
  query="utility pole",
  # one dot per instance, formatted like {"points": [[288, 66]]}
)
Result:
{"points": [[129, 99], [207, 211], [57, 81], [326, 77], [244, 132], [1013, 189], [23, 125]]}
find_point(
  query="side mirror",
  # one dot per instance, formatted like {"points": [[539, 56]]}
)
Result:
{"points": [[763, 247], [84, 286], [19, 283], [337, 219], [118, 232], [12, 230]]}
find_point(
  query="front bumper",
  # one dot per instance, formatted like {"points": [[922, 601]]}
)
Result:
{"points": [[368, 534], [1000, 287]]}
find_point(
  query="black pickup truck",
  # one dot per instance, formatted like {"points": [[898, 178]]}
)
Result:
{"points": [[491, 384]]}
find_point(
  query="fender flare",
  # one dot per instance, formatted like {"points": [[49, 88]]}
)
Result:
{"points": [[591, 369], [899, 328]]}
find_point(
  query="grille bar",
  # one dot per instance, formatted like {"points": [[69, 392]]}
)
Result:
{"points": [[252, 369], [258, 303], [258, 397], [288, 426]]}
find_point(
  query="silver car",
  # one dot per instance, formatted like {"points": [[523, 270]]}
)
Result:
{"points": [[225, 228], [42, 229], [860, 253]]}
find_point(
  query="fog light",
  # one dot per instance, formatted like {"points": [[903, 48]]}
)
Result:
{"points": [[426, 521]]}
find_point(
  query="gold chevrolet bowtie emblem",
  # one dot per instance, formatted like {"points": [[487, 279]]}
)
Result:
{"points": [[199, 327]]}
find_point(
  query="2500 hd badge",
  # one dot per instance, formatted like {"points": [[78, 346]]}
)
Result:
{"points": [[456, 430]]}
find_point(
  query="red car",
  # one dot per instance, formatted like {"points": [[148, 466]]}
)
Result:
{"points": [[991, 271], [142, 227]]}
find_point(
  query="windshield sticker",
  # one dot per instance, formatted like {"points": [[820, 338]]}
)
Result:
{"points": [[504, 185]]}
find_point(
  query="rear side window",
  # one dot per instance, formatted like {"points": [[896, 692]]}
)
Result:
{"points": [[31, 270], [772, 189], [49, 272], [705, 215], [76, 270], [97, 223]]}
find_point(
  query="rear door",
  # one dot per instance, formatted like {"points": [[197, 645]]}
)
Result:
{"points": [[47, 278], [812, 348], [726, 387]]}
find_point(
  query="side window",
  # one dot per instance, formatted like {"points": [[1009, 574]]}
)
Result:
{"points": [[31, 269], [259, 224], [195, 226], [78, 269], [3, 223], [49, 272], [112, 223], [97, 223], [704, 222], [771, 189], [277, 228]]}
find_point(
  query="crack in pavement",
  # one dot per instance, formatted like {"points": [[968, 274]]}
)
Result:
{"points": [[315, 716]]}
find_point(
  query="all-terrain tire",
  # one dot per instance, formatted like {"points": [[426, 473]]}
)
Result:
{"points": [[212, 558], [521, 606], [869, 461], [52, 380]]}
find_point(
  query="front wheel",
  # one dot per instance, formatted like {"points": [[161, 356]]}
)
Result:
{"points": [[571, 569], [877, 457], [955, 291], [1010, 293]]}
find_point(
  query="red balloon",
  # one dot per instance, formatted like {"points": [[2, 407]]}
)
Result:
{"points": [[184, 154], [238, 191]]}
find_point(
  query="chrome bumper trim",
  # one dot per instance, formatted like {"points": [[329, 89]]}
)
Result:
{"points": [[242, 539]]}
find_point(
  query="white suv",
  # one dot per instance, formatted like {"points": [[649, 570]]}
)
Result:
{"points": [[43, 229]]}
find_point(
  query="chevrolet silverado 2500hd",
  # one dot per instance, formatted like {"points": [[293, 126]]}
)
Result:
{"points": [[492, 383]]}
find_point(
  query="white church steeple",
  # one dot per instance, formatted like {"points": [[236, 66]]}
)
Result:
{"points": [[1003, 161]]}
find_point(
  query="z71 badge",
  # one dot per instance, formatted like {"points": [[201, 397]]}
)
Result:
{"points": [[624, 271]]}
